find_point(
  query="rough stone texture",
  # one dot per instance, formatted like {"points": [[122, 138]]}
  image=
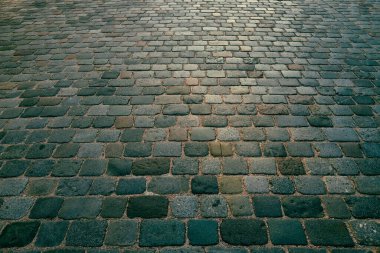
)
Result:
{"points": [[189, 126]]}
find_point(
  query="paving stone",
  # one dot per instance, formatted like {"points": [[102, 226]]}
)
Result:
{"points": [[202, 134], [300, 149], [243, 232], [328, 233], [235, 166], [14, 168], [102, 186], [169, 185], [368, 185], [132, 135], [281, 185], [318, 166], [93, 167], [211, 166], [213, 207], [366, 232], [66, 150], [12, 186], [151, 166], [286, 232], [18, 234], [265, 166], [51, 233], [138, 150], [185, 166], [162, 233], [196, 149], [267, 206], [240, 205], [165, 149], [39, 151], [368, 166], [257, 184], [364, 207], [46, 208], [184, 206], [230, 184], [73, 186], [203, 232], [302, 207], [267, 250], [228, 134], [248, 149], [345, 166], [341, 134], [113, 207], [78, 208], [41, 187], [274, 150], [130, 186], [119, 167], [310, 185], [204, 185], [291, 166], [121, 233], [336, 207], [14, 208], [86, 233], [147, 207], [221, 149], [339, 185], [66, 168]]}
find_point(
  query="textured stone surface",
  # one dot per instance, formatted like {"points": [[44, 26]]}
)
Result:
{"points": [[189, 126]]}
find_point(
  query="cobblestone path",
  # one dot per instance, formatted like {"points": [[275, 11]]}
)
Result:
{"points": [[182, 126]]}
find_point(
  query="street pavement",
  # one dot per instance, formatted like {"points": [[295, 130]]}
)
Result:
{"points": [[180, 126]]}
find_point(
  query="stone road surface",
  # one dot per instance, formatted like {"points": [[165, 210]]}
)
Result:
{"points": [[190, 126]]}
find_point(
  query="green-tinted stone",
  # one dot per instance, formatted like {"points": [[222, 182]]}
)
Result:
{"points": [[129, 186], [267, 206], [291, 166], [14, 168], [148, 207], [121, 233], [77, 208], [204, 185], [169, 185], [328, 233], [93, 168], [113, 207], [66, 150], [364, 207], [18, 234], [195, 149], [151, 166], [303, 207], [38, 151], [162, 233], [66, 168], [51, 234], [119, 167], [46, 208], [41, 187], [203, 232], [86, 233], [240, 205], [286, 232], [231, 185], [243, 232]]}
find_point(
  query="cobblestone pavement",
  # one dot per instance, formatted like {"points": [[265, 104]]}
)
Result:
{"points": [[190, 126]]}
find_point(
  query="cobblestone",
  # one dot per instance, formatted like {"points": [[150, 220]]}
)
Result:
{"points": [[189, 126]]}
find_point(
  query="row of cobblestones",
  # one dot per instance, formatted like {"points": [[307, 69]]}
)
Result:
{"points": [[190, 126]]}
